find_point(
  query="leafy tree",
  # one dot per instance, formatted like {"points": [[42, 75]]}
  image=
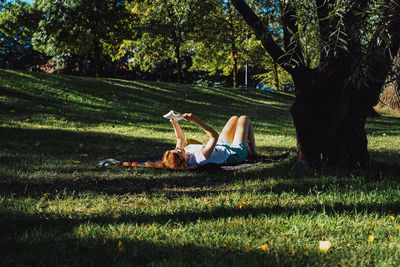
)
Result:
{"points": [[79, 27], [221, 41], [352, 44], [15, 35], [226, 43], [162, 31], [274, 75]]}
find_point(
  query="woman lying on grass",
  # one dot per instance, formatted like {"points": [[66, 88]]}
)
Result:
{"points": [[235, 143]]}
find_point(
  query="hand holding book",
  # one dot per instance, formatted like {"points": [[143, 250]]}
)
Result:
{"points": [[174, 115]]}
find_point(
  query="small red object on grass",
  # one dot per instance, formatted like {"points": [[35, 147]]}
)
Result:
{"points": [[126, 164], [135, 163]]}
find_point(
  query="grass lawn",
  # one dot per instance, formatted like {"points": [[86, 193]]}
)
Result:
{"points": [[58, 207]]}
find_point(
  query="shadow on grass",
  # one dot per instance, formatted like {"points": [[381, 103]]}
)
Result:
{"points": [[186, 217], [87, 101], [383, 125], [31, 171], [204, 184], [67, 249], [27, 145], [42, 247], [34, 161]]}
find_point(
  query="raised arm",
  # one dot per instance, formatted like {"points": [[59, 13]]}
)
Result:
{"points": [[180, 136], [209, 148]]}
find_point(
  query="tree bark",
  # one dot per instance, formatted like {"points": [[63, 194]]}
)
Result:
{"points": [[390, 97], [329, 123], [234, 51]]}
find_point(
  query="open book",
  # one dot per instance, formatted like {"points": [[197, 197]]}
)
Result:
{"points": [[174, 115]]}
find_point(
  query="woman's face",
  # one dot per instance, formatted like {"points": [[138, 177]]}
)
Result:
{"points": [[183, 153]]}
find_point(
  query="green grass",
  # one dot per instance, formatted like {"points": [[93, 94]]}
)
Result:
{"points": [[57, 207]]}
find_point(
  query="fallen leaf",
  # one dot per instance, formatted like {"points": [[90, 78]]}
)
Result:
{"points": [[120, 246], [371, 239], [76, 161], [392, 218], [264, 247], [324, 246]]}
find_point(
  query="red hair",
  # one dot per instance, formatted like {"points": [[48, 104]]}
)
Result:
{"points": [[170, 160]]}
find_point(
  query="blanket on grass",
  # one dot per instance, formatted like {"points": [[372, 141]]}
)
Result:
{"points": [[247, 163]]}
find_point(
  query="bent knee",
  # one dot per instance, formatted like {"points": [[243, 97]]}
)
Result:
{"points": [[234, 117], [244, 117]]}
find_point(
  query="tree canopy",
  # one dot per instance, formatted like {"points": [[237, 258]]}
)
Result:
{"points": [[285, 36], [195, 36]]}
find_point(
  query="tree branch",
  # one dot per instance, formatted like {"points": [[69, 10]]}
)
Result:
{"points": [[380, 54], [282, 58], [290, 29], [394, 26]]}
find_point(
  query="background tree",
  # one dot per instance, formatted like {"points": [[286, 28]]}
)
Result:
{"points": [[79, 27], [355, 41], [16, 20], [220, 43], [273, 74], [225, 44], [162, 32]]}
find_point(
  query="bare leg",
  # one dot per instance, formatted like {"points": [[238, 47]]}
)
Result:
{"points": [[228, 132], [244, 133], [251, 141]]}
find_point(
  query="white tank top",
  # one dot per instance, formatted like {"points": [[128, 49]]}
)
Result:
{"points": [[219, 155]]}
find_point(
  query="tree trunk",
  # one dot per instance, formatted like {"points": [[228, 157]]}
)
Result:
{"points": [[329, 112], [235, 67], [276, 77], [390, 97], [96, 49], [330, 123], [234, 51], [178, 59]]}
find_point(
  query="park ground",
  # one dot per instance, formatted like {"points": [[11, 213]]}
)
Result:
{"points": [[58, 207]]}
